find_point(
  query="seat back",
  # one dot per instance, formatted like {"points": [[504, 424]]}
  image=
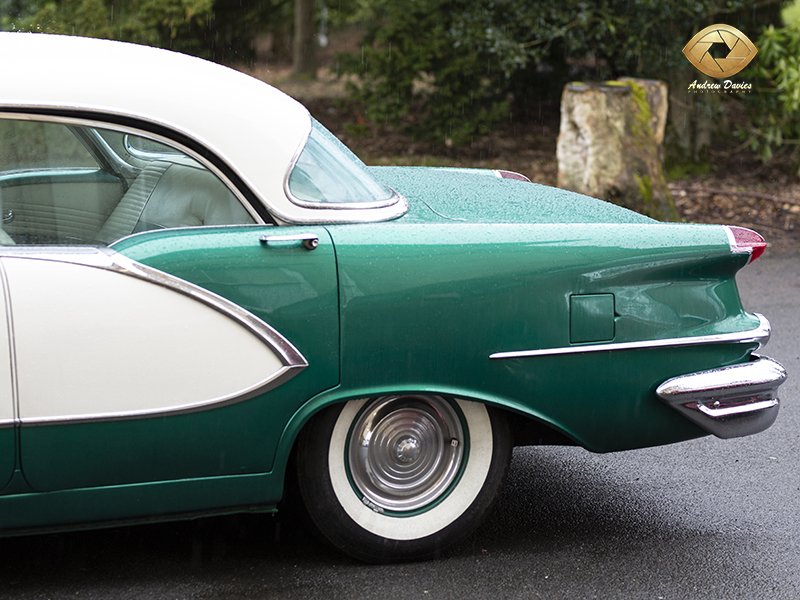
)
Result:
{"points": [[173, 194], [188, 196], [126, 214]]}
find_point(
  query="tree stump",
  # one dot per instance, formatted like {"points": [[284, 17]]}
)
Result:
{"points": [[610, 144]]}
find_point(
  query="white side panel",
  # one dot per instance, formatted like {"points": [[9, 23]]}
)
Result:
{"points": [[94, 343], [7, 400]]}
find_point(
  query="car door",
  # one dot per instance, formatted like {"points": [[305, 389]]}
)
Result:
{"points": [[151, 376], [178, 345]]}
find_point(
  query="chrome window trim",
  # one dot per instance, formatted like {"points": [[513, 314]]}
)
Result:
{"points": [[79, 122], [395, 198], [146, 154], [127, 170], [105, 157], [108, 259], [759, 334], [319, 215], [329, 214]]}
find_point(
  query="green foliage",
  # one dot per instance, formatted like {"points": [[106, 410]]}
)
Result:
{"points": [[166, 23], [449, 78], [774, 108], [219, 29], [686, 170], [460, 65], [791, 13]]}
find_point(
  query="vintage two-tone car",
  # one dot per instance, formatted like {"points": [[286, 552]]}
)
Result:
{"points": [[204, 293]]}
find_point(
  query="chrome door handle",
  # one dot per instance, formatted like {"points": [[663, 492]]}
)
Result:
{"points": [[309, 240]]}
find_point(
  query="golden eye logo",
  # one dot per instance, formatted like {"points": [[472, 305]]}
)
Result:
{"points": [[716, 40]]}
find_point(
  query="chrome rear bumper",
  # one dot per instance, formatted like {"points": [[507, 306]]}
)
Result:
{"points": [[731, 401]]}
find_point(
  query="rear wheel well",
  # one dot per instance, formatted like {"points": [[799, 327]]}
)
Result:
{"points": [[526, 431]]}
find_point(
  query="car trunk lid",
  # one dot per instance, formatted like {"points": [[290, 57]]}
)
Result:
{"points": [[479, 196]]}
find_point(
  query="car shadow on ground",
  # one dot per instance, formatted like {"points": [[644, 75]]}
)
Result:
{"points": [[562, 511]]}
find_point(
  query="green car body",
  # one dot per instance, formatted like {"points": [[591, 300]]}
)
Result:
{"points": [[478, 307]]}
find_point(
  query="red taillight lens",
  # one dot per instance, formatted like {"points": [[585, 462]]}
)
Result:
{"points": [[511, 175], [746, 240]]}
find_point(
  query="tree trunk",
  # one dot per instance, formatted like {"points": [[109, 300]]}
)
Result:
{"points": [[610, 144], [304, 50]]}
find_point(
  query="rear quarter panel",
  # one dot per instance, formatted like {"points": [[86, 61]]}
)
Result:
{"points": [[424, 306]]}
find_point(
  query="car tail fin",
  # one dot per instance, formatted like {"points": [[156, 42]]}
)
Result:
{"points": [[746, 240]]}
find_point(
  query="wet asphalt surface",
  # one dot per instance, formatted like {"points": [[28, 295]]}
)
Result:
{"points": [[708, 518]]}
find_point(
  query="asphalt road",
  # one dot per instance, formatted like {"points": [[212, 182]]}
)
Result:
{"points": [[704, 519]]}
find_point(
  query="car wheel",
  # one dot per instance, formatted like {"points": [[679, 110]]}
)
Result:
{"points": [[402, 477]]}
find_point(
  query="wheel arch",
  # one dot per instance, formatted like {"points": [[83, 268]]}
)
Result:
{"points": [[528, 428]]}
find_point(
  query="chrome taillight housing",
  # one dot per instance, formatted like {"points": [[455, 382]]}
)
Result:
{"points": [[503, 174]]}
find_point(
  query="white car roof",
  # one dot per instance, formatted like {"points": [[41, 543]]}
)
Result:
{"points": [[255, 129]]}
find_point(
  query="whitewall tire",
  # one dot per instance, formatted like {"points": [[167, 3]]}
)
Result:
{"points": [[402, 477]]}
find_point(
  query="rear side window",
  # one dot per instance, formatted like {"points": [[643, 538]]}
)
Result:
{"points": [[327, 172]]}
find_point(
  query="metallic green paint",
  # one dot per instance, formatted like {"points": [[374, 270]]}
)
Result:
{"points": [[439, 301], [470, 197], [155, 501], [591, 318], [8, 455], [17, 485], [413, 306], [425, 305]]}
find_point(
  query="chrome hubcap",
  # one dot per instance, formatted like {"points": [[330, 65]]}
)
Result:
{"points": [[405, 452]]}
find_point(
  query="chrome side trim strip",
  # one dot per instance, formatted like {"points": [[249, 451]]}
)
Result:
{"points": [[290, 356], [108, 259], [760, 334]]}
